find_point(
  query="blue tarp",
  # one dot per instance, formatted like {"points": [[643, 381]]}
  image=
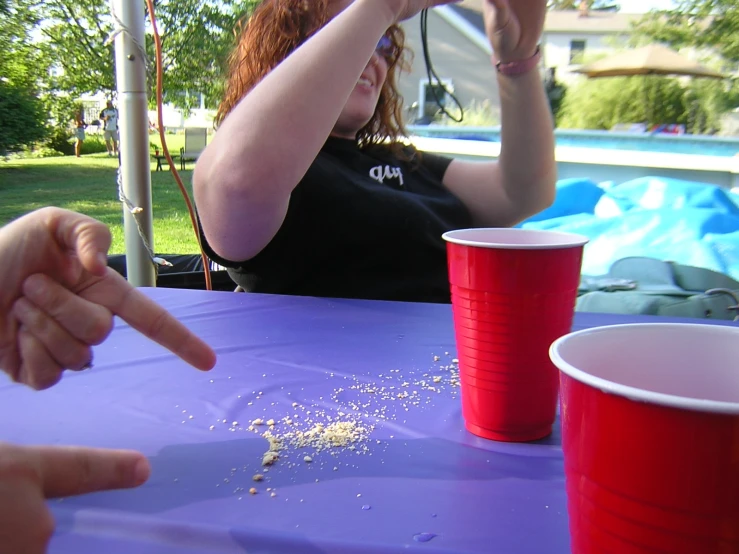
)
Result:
{"points": [[668, 219]]}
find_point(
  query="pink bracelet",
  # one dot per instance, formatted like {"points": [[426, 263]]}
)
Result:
{"points": [[511, 69]]}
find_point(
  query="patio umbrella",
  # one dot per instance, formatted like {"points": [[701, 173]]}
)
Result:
{"points": [[654, 59]]}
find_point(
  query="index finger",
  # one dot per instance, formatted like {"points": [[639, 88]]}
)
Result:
{"points": [[149, 318], [68, 470]]}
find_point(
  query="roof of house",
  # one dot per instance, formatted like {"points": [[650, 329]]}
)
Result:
{"points": [[558, 21], [594, 22]]}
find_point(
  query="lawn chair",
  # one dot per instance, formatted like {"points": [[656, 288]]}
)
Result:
{"points": [[195, 141]]}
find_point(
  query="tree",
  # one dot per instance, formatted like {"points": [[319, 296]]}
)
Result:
{"points": [[22, 118], [196, 38], [695, 23], [23, 113], [21, 62], [705, 25], [601, 103]]}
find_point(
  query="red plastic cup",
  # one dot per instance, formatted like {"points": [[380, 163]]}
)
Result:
{"points": [[650, 433], [513, 294]]}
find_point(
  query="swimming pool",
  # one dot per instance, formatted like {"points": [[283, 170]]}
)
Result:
{"points": [[604, 140]]}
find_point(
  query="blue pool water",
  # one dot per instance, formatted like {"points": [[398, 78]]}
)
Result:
{"points": [[674, 144]]}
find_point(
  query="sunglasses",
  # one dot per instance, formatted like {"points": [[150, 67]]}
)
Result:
{"points": [[385, 48]]}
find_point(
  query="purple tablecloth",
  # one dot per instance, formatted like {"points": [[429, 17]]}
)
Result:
{"points": [[419, 475]]}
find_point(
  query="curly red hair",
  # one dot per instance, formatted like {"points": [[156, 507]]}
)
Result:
{"points": [[275, 29]]}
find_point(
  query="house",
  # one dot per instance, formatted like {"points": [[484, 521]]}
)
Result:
{"points": [[572, 38], [460, 55], [460, 52]]}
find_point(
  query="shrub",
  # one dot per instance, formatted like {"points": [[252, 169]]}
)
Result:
{"points": [[601, 103], [62, 141], [42, 152], [93, 144], [22, 118]]}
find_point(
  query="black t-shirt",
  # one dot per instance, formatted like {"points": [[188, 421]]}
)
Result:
{"points": [[361, 224]]}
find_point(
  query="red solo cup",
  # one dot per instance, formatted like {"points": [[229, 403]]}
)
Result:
{"points": [[483, 359], [509, 261], [650, 434], [496, 362], [487, 321], [488, 303], [482, 321], [482, 316], [485, 401], [482, 335], [483, 378], [513, 294]]}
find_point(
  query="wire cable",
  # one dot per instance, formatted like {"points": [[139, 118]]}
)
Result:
{"points": [[165, 148], [432, 75]]}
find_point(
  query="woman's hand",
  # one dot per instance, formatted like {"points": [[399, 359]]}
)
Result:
{"points": [[405, 9], [514, 27]]}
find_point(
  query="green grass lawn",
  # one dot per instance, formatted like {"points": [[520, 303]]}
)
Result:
{"points": [[88, 185]]}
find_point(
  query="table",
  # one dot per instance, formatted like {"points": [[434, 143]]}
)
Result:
{"points": [[159, 158], [420, 473]]}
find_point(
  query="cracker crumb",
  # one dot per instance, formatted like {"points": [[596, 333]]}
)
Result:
{"points": [[269, 458], [258, 477], [275, 444], [307, 459], [257, 421], [270, 422], [252, 490]]}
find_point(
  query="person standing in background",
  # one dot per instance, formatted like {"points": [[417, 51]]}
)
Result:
{"points": [[79, 131], [109, 116]]}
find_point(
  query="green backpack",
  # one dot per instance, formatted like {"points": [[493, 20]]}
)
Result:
{"points": [[639, 285]]}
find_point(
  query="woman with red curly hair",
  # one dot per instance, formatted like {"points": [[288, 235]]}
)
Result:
{"points": [[307, 188]]}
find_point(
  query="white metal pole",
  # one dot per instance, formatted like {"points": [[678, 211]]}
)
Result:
{"points": [[134, 141]]}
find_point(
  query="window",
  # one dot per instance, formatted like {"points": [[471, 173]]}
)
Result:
{"points": [[577, 51], [91, 111]]}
